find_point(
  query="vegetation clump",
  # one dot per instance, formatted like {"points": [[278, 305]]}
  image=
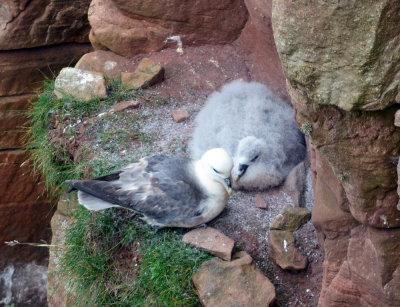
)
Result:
{"points": [[109, 258]]}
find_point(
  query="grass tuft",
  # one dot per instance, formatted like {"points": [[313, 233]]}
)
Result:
{"points": [[109, 258], [160, 274]]}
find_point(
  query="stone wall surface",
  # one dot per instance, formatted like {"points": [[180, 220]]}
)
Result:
{"points": [[37, 39], [27, 24], [259, 50], [341, 61], [129, 27], [341, 53]]}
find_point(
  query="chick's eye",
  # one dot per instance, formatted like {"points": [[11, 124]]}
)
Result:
{"points": [[254, 159], [215, 171]]}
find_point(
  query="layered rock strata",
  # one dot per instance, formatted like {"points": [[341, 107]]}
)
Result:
{"points": [[37, 38], [342, 64], [129, 27]]}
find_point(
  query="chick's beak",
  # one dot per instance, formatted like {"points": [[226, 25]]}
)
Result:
{"points": [[228, 186], [241, 170]]}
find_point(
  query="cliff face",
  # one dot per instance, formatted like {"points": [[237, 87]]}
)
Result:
{"points": [[341, 60], [36, 39], [342, 64]]}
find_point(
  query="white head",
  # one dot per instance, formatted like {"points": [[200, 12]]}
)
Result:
{"points": [[248, 153], [217, 166]]}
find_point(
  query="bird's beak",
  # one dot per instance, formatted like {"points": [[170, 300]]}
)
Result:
{"points": [[228, 186], [241, 170]]}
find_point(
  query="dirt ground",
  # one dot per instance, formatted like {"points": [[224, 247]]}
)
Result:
{"points": [[189, 79]]}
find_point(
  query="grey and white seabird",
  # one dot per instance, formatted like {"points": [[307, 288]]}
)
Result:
{"points": [[168, 191], [256, 128]]}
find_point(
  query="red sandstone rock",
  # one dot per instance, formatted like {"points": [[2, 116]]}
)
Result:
{"points": [[16, 182], [283, 251], [260, 202], [27, 24], [123, 105], [180, 115], [353, 169], [259, 48], [132, 27], [210, 240], [106, 62], [24, 77], [146, 74], [236, 283]]}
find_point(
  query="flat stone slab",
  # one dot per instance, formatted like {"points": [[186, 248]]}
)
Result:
{"points": [[291, 218], [146, 74], [283, 251], [260, 202], [81, 84], [123, 105], [210, 240], [237, 283], [180, 115]]}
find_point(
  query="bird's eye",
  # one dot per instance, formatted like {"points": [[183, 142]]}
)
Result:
{"points": [[215, 171], [254, 159]]}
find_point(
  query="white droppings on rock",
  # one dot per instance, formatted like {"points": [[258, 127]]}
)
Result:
{"points": [[285, 246]]}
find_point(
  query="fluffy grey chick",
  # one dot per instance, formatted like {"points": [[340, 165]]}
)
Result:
{"points": [[168, 191], [256, 128]]}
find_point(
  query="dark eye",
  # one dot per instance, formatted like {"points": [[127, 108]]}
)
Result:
{"points": [[254, 159], [215, 171]]}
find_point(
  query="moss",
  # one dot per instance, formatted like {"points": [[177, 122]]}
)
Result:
{"points": [[306, 129]]}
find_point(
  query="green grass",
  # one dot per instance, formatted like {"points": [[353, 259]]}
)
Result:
{"points": [[50, 160], [109, 258], [164, 268]]}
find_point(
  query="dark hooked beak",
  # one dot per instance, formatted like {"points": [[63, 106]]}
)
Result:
{"points": [[242, 169], [228, 186]]}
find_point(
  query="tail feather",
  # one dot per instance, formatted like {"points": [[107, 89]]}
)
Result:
{"points": [[93, 203]]}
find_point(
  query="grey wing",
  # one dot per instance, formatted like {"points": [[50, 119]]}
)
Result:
{"points": [[167, 191], [170, 203]]}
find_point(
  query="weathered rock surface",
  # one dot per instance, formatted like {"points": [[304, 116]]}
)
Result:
{"points": [[22, 211], [123, 105], [397, 118], [260, 202], [80, 84], [132, 27], [335, 56], [284, 252], [348, 56], [359, 147], [106, 62], [258, 45], [146, 74], [235, 283], [22, 70], [36, 38], [27, 24], [295, 183], [20, 281], [367, 273], [291, 218], [210, 240], [180, 115], [57, 290]]}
